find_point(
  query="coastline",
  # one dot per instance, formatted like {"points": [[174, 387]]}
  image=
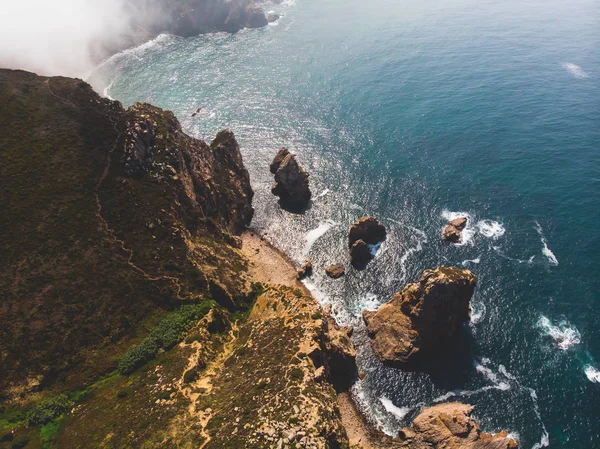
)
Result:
{"points": [[269, 264]]}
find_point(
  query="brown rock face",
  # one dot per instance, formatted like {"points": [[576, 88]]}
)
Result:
{"points": [[453, 232], [367, 229], [335, 271], [339, 355], [360, 255], [291, 181], [422, 319], [450, 426], [305, 271]]}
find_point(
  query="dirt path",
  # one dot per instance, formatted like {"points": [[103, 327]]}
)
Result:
{"points": [[268, 264]]}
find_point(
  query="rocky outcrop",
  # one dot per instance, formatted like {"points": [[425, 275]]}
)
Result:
{"points": [[147, 219], [453, 231], [291, 181], [305, 271], [339, 355], [423, 319], [335, 271], [272, 17], [192, 17], [365, 231], [450, 426]]}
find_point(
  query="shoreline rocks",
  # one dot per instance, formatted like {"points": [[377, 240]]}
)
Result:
{"points": [[291, 181], [450, 425], [453, 231], [423, 319], [305, 271], [364, 232]]}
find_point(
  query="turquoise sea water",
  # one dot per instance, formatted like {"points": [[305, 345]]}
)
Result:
{"points": [[412, 111]]}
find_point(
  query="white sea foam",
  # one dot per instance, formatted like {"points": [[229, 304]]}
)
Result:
{"points": [[575, 70], [564, 334], [312, 236], [106, 91], [545, 250], [592, 374], [369, 302], [398, 412], [468, 261], [490, 229], [477, 312], [323, 193], [544, 442]]}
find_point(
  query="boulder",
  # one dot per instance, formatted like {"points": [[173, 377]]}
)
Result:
{"points": [[453, 231], [367, 229], [360, 254], [272, 17], [423, 319], [291, 181], [450, 425], [306, 270], [335, 271]]}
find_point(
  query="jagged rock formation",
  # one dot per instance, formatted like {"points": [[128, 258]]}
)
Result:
{"points": [[305, 271], [291, 181], [365, 231], [453, 231], [335, 271], [108, 216], [423, 318], [450, 425]]}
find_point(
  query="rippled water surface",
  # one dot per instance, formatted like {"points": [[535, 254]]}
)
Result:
{"points": [[415, 112]]}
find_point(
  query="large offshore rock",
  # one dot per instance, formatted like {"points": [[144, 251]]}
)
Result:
{"points": [[367, 229], [423, 318], [453, 231], [291, 181]]}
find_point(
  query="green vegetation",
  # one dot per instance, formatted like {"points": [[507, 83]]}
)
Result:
{"points": [[167, 334], [49, 410]]}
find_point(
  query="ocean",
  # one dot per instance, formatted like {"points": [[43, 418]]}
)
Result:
{"points": [[415, 112]]}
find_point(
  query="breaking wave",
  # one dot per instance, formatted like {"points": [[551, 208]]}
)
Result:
{"points": [[312, 236], [564, 334], [545, 250], [398, 412], [592, 374], [575, 70]]}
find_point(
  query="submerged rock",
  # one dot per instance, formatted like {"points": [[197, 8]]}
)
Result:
{"points": [[291, 181], [450, 425], [453, 231], [423, 319], [335, 271]]}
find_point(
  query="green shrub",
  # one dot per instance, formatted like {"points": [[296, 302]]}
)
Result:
{"points": [[297, 373], [170, 331], [49, 410], [138, 355], [20, 442]]}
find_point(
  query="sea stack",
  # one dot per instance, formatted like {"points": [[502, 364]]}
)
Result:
{"points": [[365, 231], [291, 181], [453, 231], [423, 319]]}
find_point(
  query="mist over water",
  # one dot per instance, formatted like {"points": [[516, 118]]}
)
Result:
{"points": [[415, 112]]}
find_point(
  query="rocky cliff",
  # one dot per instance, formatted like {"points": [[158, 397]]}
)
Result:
{"points": [[110, 218]]}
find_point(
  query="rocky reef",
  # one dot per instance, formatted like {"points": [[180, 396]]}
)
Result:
{"points": [[423, 319], [291, 181]]}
